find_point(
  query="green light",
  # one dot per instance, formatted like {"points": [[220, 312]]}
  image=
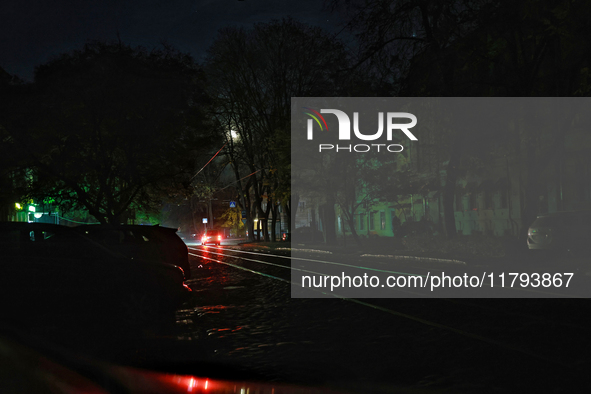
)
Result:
{"points": [[31, 208]]}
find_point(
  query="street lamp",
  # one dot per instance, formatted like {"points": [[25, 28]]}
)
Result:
{"points": [[256, 230], [31, 214]]}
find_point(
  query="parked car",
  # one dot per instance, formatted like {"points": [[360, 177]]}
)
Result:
{"points": [[212, 237], [563, 232], [47, 268], [149, 243]]}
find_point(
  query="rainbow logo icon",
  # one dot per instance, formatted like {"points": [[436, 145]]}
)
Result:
{"points": [[315, 118]]}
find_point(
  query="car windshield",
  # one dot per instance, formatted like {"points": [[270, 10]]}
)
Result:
{"points": [[343, 196]]}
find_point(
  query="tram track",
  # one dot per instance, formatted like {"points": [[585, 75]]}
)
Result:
{"points": [[358, 267], [222, 253]]}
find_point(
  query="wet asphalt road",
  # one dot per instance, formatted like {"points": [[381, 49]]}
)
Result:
{"points": [[244, 321]]}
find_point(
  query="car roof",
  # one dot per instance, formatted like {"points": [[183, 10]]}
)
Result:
{"points": [[70, 231], [40, 226], [564, 213], [128, 227]]}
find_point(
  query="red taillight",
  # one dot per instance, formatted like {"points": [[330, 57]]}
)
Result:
{"points": [[219, 237]]}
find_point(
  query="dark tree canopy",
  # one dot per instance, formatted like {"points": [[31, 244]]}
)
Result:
{"points": [[111, 128]]}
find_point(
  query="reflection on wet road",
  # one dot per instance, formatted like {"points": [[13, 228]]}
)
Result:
{"points": [[240, 318]]}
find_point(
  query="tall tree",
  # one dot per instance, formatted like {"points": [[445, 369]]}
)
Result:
{"points": [[13, 176], [253, 74], [111, 128]]}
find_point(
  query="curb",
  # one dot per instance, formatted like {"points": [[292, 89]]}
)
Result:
{"points": [[432, 259], [390, 256], [309, 250]]}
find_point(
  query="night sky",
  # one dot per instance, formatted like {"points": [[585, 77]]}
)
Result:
{"points": [[32, 31]]}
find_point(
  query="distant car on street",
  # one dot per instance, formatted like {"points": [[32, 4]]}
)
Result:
{"points": [[212, 236], [149, 243], [564, 232], [47, 267], [189, 237]]}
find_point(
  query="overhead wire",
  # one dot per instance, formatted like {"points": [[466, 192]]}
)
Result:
{"points": [[213, 157], [240, 179]]}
